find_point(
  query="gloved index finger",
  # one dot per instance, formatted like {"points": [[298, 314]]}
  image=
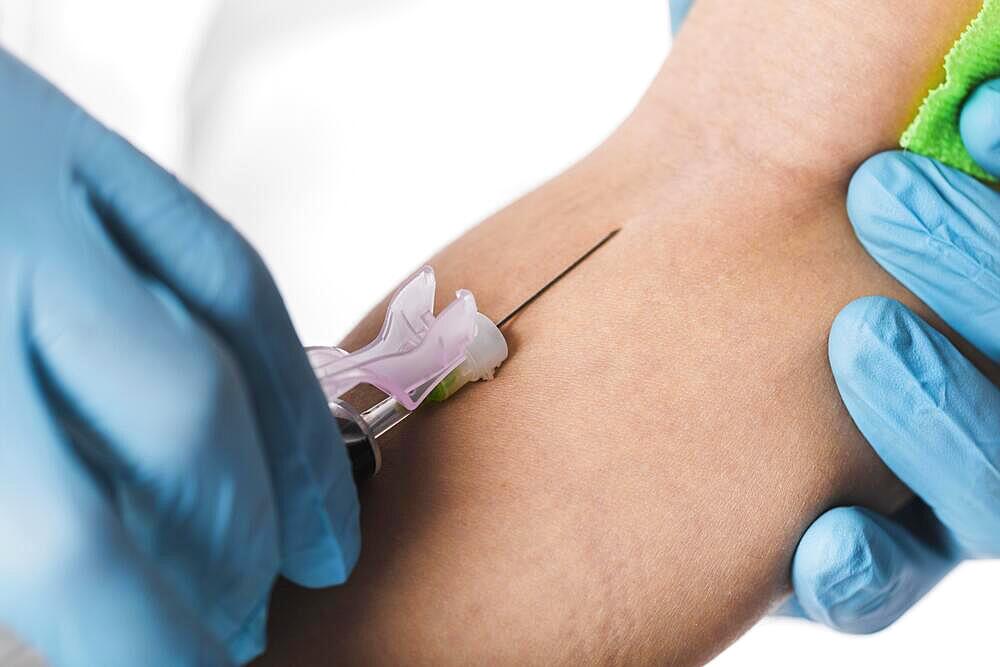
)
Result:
{"points": [[935, 230], [185, 245]]}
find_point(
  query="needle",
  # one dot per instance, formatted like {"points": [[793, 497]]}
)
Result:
{"points": [[559, 277]]}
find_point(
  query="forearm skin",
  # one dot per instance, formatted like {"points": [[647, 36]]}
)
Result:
{"points": [[631, 487]]}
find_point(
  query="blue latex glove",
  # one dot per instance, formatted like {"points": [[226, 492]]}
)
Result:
{"points": [[678, 12], [932, 417], [165, 449]]}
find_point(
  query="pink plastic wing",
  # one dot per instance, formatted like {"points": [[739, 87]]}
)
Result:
{"points": [[412, 353]]}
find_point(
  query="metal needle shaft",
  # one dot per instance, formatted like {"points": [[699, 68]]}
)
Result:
{"points": [[559, 277]]}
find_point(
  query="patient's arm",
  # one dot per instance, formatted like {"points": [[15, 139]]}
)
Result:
{"points": [[632, 485]]}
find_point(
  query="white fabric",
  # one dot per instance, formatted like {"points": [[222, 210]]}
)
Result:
{"points": [[353, 142]]}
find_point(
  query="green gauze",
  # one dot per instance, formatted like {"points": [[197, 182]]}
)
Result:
{"points": [[975, 58]]}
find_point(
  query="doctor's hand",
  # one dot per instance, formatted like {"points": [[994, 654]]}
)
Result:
{"points": [[165, 450], [928, 412]]}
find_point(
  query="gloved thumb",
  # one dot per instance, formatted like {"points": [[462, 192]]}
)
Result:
{"points": [[980, 126]]}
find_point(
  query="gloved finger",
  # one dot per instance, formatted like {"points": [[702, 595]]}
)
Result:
{"points": [[857, 571], [71, 583], [790, 608], [174, 236], [931, 416], [678, 12], [172, 423], [979, 125], [936, 230]]}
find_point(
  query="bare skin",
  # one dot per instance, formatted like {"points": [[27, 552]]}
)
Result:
{"points": [[631, 487]]}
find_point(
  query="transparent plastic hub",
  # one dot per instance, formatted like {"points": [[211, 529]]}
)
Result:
{"points": [[416, 355]]}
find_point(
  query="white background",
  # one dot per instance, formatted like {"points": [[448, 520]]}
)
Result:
{"points": [[349, 139]]}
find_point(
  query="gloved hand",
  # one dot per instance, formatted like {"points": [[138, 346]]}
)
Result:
{"points": [[932, 417], [165, 449], [678, 12]]}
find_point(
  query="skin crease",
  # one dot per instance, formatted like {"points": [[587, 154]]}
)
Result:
{"points": [[632, 485]]}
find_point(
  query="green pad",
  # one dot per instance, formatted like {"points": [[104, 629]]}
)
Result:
{"points": [[975, 58]]}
